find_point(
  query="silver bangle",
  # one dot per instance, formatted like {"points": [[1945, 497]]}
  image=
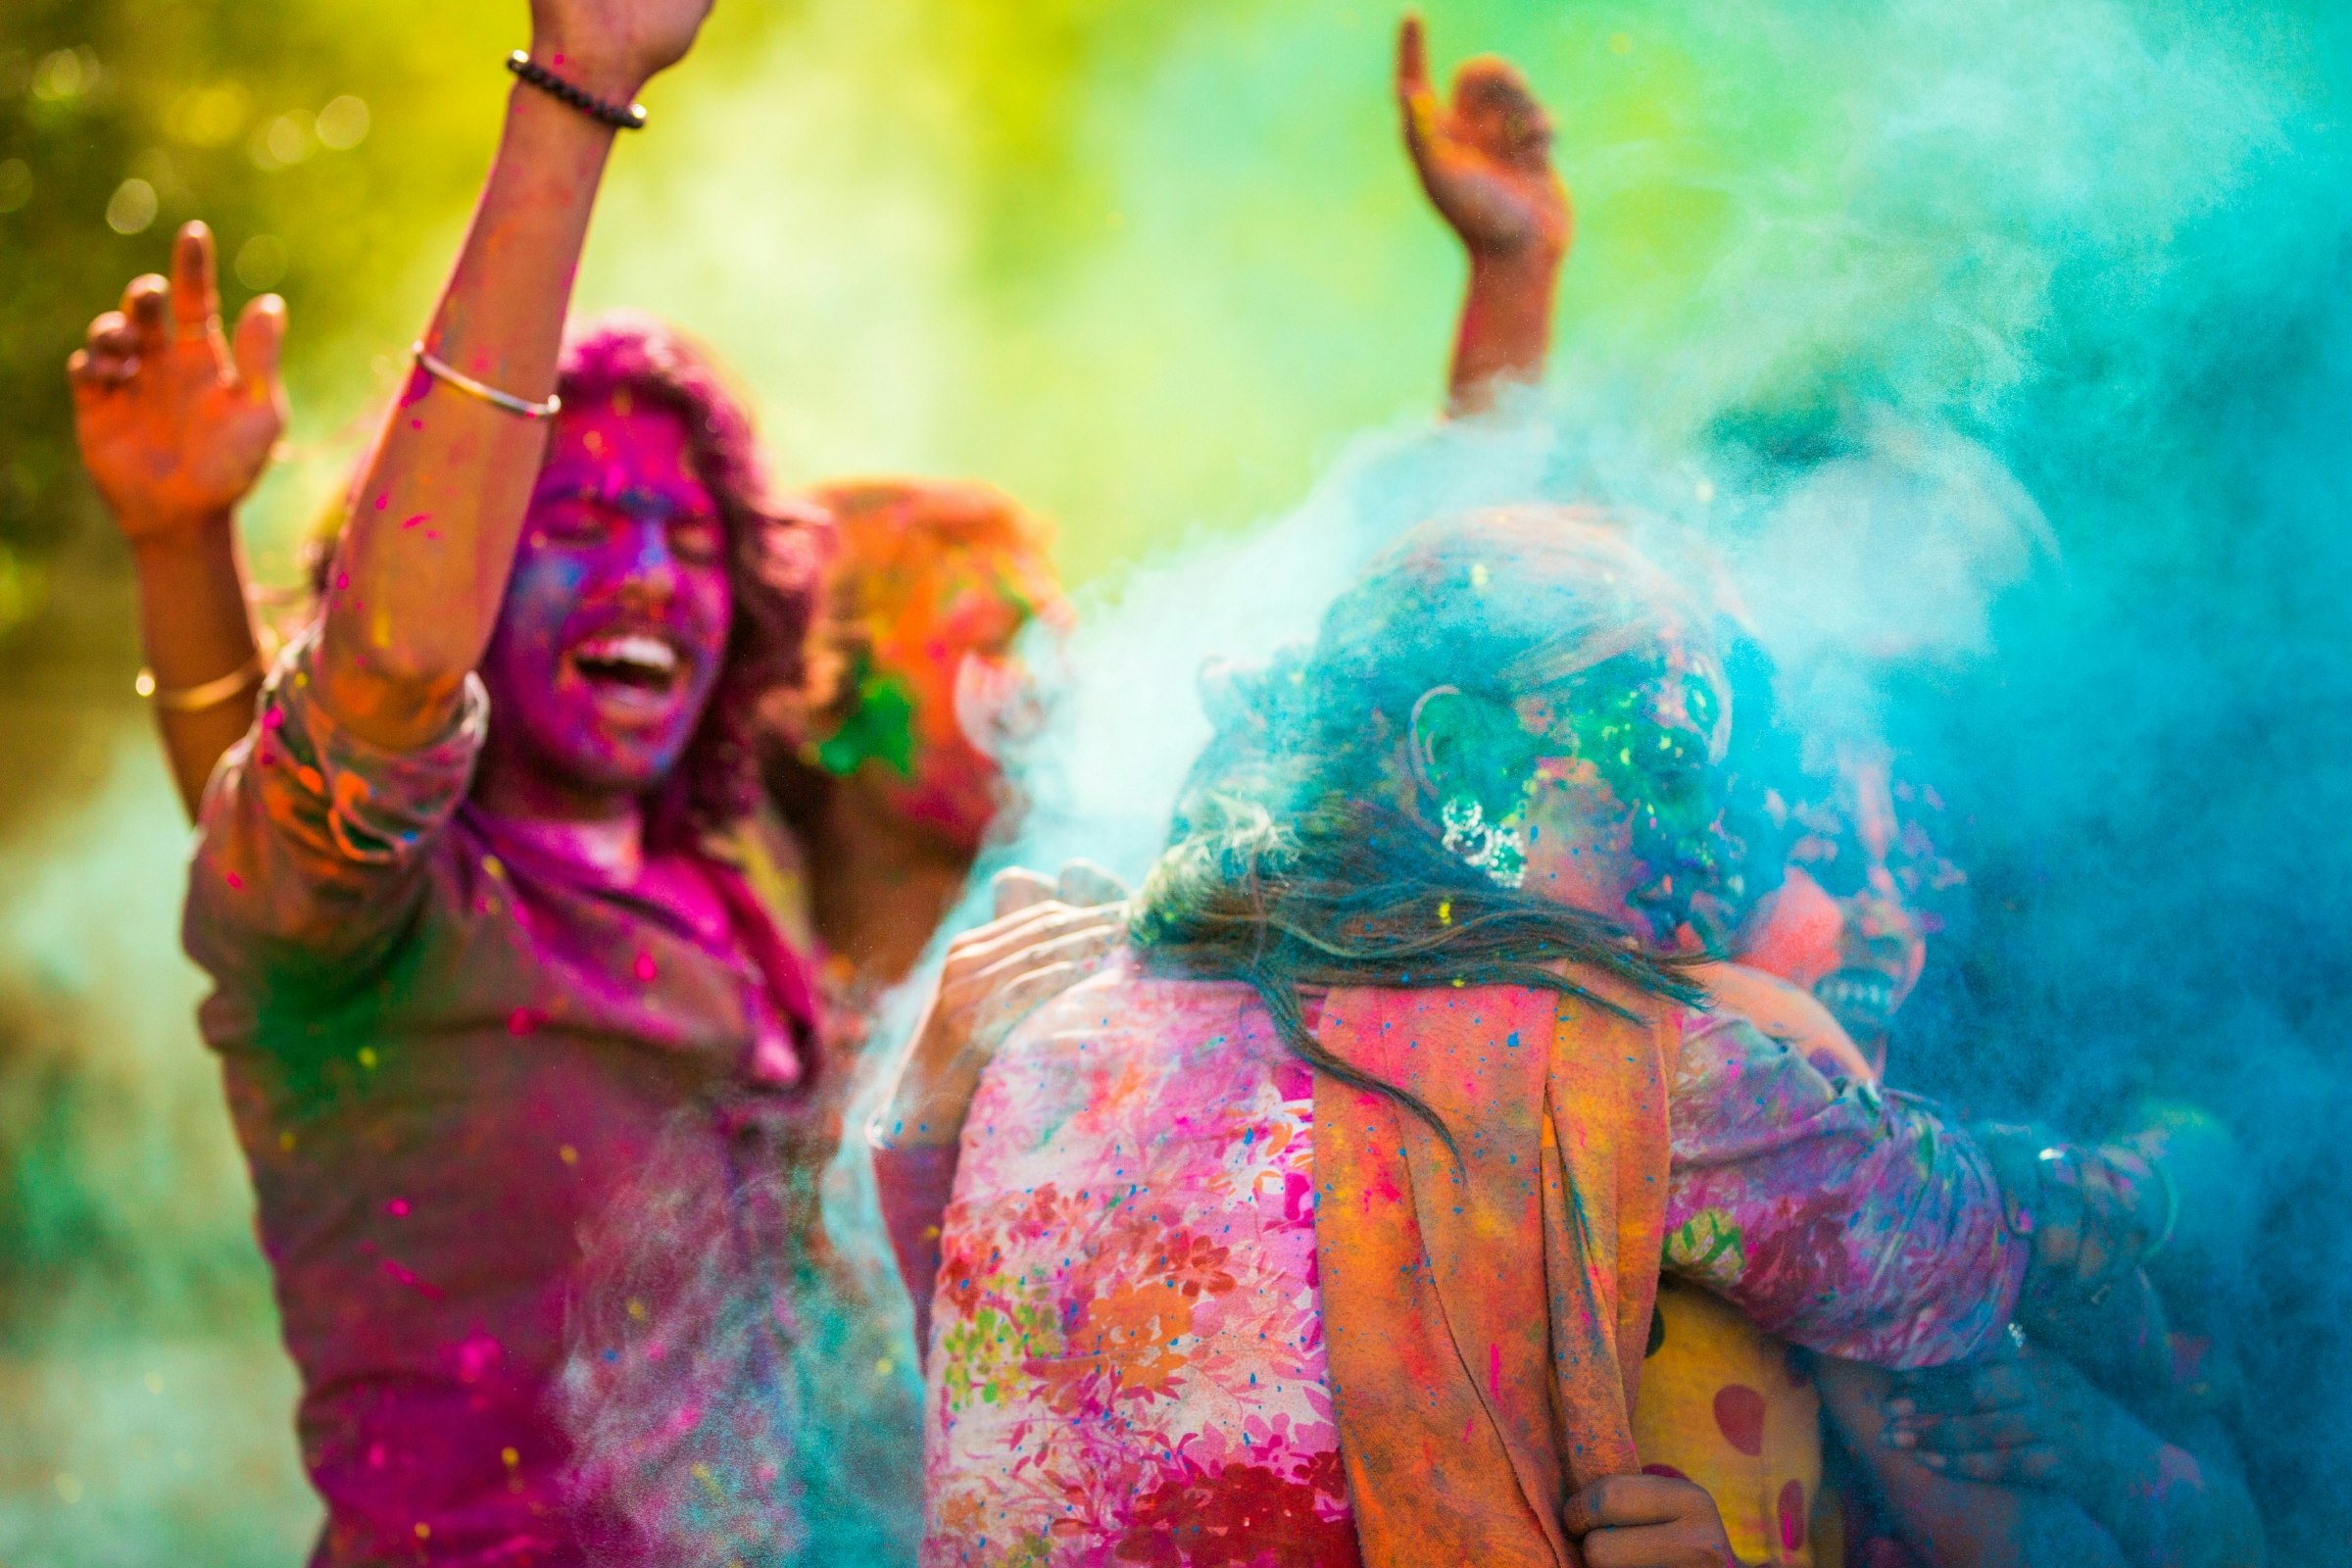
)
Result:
{"points": [[204, 695], [441, 369]]}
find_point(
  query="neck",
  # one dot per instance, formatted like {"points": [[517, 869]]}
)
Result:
{"points": [[512, 787], [602, 828], [878, 888]]}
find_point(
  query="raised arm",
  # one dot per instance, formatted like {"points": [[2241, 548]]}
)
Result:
{"points": [[176, 422], [1484, 159], [434, 519]]}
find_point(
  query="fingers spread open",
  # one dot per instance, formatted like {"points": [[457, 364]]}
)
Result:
{"points": [[107, 358], [1086, 943], [195, 291], [1084, 883], [1499, 113], [1415, 101], [147, 306], [1017, 888], [976, 951], [262, 332], [1412, 57], [260, 336]]}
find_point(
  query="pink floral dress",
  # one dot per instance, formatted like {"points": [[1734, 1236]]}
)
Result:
{"points": [[1127, 1362]]}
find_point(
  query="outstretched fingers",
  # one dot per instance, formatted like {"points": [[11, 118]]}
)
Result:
{"points": [[1499, 113], [195, 284], [1416, 102], [107, 358], [147, 308], [260, 338]]}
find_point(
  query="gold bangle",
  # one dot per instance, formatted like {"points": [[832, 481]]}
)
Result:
{"points": [[448, 374], [204, 695]]}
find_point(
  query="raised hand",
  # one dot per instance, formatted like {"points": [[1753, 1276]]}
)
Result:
{"points": [[613, 47], [1484, 159], [176, 420], [1038, 947]]}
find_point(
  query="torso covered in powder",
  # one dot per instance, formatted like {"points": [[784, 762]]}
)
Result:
{"points": [[449, 1054], [1127, 1361]]}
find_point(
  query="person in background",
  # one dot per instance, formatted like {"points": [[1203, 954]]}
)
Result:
{"points": [[892, 784], [471, 888]]}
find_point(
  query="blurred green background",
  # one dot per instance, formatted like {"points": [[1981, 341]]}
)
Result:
{"points": [[1145, 263]]}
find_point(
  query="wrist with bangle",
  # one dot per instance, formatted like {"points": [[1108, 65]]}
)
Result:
{"points": [[603, 110], [204, 695]]}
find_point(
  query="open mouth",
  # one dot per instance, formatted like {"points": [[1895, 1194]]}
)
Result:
{"points": [[1859, 999], [634, 668]]}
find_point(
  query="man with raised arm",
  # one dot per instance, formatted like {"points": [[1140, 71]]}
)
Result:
{"points": [[475, 890]]}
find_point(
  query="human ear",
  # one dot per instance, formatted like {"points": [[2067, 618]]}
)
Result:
{"points": [[1464, 745]]}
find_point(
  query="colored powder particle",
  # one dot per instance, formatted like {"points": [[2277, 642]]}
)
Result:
{"points": [[645, 967]]}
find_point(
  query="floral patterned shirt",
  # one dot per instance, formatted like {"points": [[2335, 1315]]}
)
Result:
{"points": [[1127, 1362]]}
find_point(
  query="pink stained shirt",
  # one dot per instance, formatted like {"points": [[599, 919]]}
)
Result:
{"points": [[1126, 1360], [448, 1052]]}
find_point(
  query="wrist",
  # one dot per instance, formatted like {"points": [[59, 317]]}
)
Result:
{"points": [[1534, 259], [166, 538], [589, 69]]}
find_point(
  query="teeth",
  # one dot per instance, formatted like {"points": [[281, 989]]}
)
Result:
{"points": [[633, 648]]}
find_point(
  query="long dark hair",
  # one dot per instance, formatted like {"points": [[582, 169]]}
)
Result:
{"points": [[1295, 859]]}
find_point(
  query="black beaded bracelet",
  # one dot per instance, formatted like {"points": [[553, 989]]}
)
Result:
{"points": [[620, 116]]}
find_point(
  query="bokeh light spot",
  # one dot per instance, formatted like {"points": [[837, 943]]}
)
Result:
{"points": [[210, 116], [285, 140], [15, 183], [63, 76], [131, 208], [343, 123], [262, 262]]}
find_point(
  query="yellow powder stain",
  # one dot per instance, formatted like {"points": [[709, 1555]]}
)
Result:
{"points": [[568, 1154]]}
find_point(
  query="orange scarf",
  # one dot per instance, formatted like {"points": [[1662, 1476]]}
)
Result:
{"points": [[1486, 1322]]}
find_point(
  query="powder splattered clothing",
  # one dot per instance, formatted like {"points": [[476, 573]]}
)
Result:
{"points": [[448, 1049], [1734, 1410], [1127, 1361]]}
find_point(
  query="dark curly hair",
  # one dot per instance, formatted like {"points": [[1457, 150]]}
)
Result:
{"points": [[777, 551], [776, 556]]}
